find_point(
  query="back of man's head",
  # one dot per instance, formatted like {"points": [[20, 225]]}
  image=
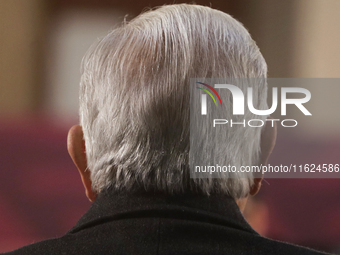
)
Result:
{"points": [[135, 99]]}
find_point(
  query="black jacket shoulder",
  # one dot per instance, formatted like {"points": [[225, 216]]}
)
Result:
{"points": [[150, 223]]}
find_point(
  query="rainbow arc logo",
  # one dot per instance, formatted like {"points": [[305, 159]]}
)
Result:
{"points": [[208, 86], [204, 97]]}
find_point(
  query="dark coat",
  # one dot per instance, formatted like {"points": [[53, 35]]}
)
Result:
{"points": [[149, 223]]}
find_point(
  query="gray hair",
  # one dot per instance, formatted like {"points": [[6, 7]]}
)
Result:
{"points": [[135, 98]]}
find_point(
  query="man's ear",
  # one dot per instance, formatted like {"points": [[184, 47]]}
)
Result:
{"points": [[268, 140], [76, 149]]}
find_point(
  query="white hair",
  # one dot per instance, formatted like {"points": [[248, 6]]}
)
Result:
{"points": [[135, 99]]}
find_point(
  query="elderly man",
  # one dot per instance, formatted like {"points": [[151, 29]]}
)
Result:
{"points": [[133, 145]]}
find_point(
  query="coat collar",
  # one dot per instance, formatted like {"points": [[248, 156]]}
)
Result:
{"points": [[112, 205]]}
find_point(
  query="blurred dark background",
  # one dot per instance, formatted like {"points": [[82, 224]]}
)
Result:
{"points": [[42, 44]]}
